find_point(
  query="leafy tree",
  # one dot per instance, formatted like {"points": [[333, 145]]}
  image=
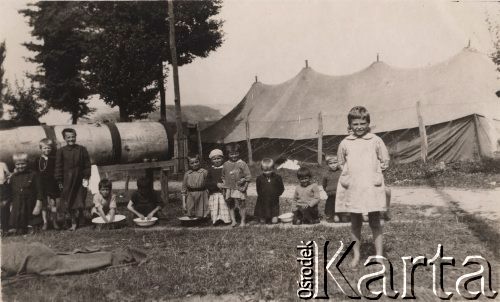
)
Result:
{"points": [[131, 45], [26, 109], [116, 50], [60, 29], [494, 29], [3, 84], [123, 61]]}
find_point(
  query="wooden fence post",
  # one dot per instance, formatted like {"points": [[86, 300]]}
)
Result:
{"points": [[164, 185], [127, 181], [320, 138], [249, 142], [200, 145], [185, 149], [176, 154], [423, 135]]}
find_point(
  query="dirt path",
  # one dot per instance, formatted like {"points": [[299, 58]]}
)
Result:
{"points": [[485, 203]]}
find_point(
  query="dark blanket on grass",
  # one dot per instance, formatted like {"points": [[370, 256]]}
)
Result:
{"points": [[36, 258]]}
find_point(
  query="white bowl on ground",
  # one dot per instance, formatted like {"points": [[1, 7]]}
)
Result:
{"points": [[145, 222], [287, 217], [99, 220]]}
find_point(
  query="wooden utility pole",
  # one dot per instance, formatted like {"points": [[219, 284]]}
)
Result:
{"points": [[320, 138], [177, 99], [423, 135], [161, 88], [249, 142]]}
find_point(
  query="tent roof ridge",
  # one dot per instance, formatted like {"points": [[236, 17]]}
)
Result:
{"points": [[381, 65]]}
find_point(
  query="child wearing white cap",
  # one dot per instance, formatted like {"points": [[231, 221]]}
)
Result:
{"points": [[216, 202]]}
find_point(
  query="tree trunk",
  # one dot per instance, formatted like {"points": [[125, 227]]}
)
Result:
{"points": [[161, 88], [123, 115], [177, 100], [74, 118]]}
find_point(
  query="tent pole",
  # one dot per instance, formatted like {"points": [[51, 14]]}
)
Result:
{"points": [[320, 138], [423, 135], [249, 143]]}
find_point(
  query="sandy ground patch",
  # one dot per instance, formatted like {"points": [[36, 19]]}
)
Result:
{"points": [[485, 203]]}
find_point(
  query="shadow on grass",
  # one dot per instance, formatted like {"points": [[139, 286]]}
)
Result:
{"points": [[487, 233]]}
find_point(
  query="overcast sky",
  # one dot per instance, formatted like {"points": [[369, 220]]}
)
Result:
{"points": [[271, 39]]}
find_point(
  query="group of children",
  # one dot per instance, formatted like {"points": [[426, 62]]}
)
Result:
{"points": [[56, 188], [354, 186]]}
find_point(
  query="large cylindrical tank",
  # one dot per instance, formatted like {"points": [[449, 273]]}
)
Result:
{"points": [[108, 144]]}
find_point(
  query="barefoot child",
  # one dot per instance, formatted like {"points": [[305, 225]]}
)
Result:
{"points": [[330, 181], [46, 164], [217, 204], [269, 189], [305, 199], [104, 201], [73, 173], [236, 175], [26, 195], [361, 190], [144, 203], [194, 190]]}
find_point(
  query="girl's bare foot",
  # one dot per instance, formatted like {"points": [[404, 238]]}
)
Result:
{"points": [[243, 224], [73, 228], [234, 224], [55, 225]]}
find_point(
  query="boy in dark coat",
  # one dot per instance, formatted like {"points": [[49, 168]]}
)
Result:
{"points": [[46, 165], [25, 194], [329, 182], [72, 174], [269, 189]]}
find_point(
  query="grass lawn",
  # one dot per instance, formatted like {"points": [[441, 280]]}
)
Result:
{"points": [[257, 262]]}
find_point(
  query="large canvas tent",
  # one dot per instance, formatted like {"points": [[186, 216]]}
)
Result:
{"points": [[458, 101]]}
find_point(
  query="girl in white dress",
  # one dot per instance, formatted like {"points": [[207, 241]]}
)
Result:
{"points": [[361, 189]]}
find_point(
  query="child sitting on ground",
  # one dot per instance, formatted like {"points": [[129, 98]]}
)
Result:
{"points": [[217, 204], [330, 181], [46, 164], [26, 196], [269, 189], [144, 203], [194, 190], [104, 201], [305, 199], [361, 189], [236, 176]]}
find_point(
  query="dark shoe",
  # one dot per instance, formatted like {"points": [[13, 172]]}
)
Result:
{"points": [[55, 225]]}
